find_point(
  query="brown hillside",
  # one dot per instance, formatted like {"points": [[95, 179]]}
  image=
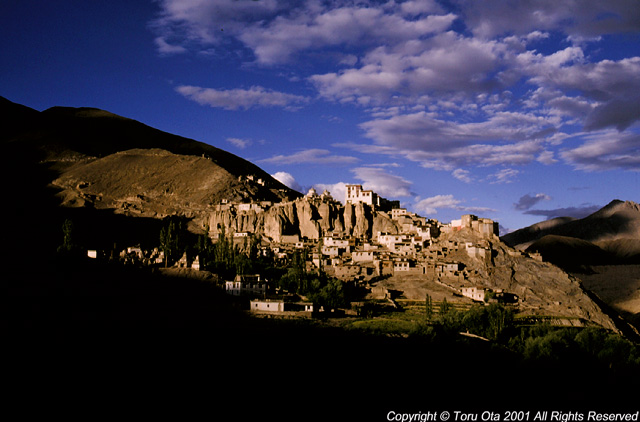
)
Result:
{"points": [[617, 220], [153, 182], [64, 136], [101, 160], [570, 253]]}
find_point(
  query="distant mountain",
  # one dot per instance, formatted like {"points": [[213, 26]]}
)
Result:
{"points": [[99, 159], [617, 220], [571, 253], [610, 235], [522, 238]]}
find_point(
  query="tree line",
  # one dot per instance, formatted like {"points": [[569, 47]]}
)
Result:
{"points": [[540, 343]]}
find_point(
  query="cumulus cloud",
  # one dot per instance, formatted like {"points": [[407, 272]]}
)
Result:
{"points": [[610, 89], [606, 150], [446, 62], [506, 138], [234, 99], [444, 98], [198, 24], [239, 143], [274, 30], [503, 176], [314, 27], [527, 201], [383, 183], [582, 18], [462, 175], [165, 48], [432, 204], [311, 156], [288, 180], [337, 190]]}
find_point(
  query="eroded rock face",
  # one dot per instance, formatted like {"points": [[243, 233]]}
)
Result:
{"points": [[304, 218]]}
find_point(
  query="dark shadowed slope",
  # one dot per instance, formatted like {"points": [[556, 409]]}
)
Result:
{"points": [[103, 160], [617, 220], [67, 134], [524, 237], [570, 253]]}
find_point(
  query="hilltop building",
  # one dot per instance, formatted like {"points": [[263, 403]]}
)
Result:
{"points": [[356, 194], [484, 226]]}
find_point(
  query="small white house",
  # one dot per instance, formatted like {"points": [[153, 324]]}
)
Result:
{"points": [[474, 293], [246, 285], [265, 305]]}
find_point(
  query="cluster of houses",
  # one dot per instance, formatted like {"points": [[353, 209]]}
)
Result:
{"points": [[417, 248]]}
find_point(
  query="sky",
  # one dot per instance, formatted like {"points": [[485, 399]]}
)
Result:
{"points": [[518, 111]]}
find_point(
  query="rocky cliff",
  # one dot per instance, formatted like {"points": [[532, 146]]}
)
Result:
{"points": [[304, 218]]}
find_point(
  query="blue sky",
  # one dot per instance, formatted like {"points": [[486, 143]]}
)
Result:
{"points": [[516, 111]]}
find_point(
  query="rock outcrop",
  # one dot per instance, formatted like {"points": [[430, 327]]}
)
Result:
{"points": [[307, 219]]}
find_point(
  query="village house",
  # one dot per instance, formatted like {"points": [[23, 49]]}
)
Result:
{"points": [[401, 265], [246, 285], [363, 256], [356, 194], [266, 305], [319, 260], [250, 207], [483, 226], [478, 252], [281, 307], [474, 293], [383, 266]]}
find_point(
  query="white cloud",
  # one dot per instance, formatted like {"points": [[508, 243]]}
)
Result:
{"points": [[491, 18], [165, 48], [337, 190], [433, 204], [383, 183], [503, 176], [275, 30], [444, 99], [312, 156], [314, 28], [605, 150], [288, 180], [234, 99], [505, 138], [239, 143], [462, 175], [446, 62], [610, 89], [546, 157]]}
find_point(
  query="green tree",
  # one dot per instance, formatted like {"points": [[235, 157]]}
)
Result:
{"points": [[171, 241], [331, 296], [428, 304], [68, 245], [204, 249], [445, 307], [499, 320]]}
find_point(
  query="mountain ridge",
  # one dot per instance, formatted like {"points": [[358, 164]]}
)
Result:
{"points": [[83, 152], [616, 220]]}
